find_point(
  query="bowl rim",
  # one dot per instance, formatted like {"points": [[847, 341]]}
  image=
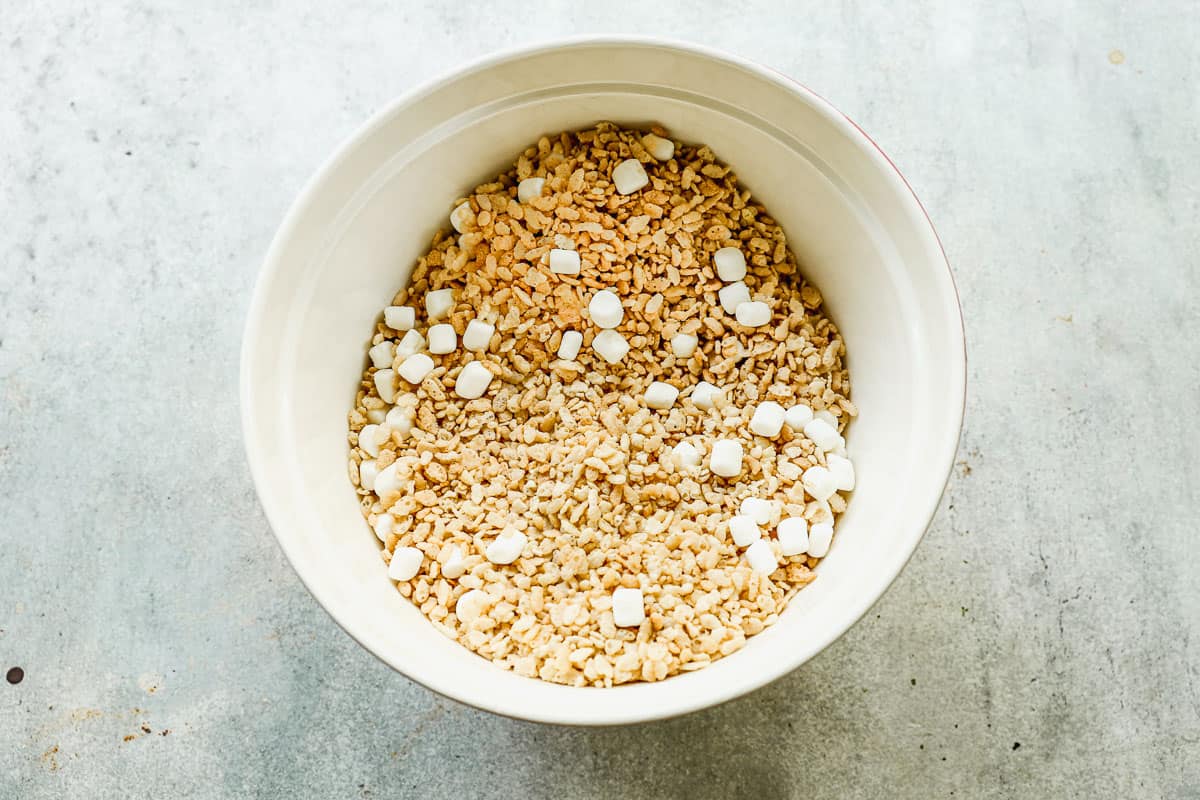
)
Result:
{"points": [[272, 264]]}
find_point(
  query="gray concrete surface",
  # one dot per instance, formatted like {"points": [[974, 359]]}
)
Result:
{"points": [[1044, 642]]}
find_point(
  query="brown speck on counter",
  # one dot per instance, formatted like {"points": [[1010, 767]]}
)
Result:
{"points": [[15, 675], [146, 729], [129, 737]]}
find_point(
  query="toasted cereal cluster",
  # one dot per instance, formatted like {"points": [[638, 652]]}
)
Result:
{"points": [[600, 433]]}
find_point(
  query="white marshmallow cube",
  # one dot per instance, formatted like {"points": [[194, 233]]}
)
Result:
{"points": [[753, 314], [683, 345], [792, 534], [797, 417], [478, 335], [473, 381], [385, 385], [743, 530], [400, 418], [455, 564], [462, 217], [704, 395], [732, 296], [628, 607], [605, 309], [442, 339], [405, 563], [367, 472], [610, 345], [842, 470], [387, 482], [662, 149], [661, 395], [686, 455], [730, 264], [382, 354], [759, 510], [529, 189], [471, 606], [726, 458], [822, 434], [819, 537], [629, 176], [411, 342], [564, 262], [768, 419], [818, 482], [383, 527], [416, 367], [761, 557], [439, 303], [369, 439], [568, 348], [828, 416], [506, 548], [400, 318]]}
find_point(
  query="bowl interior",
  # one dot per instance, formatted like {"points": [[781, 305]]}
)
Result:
{"points": [[350, 243]]}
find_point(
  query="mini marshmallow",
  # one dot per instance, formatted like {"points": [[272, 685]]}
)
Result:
{"points": [[730, 264], [442, 339], [439, 303], [462, 217], [661, 395], [529, 189], [704, 395], [792, 534], [382, 354], [385, 384], [411, 342], [471, 606], [383, 527], [478, 335], [605, 309], [828, 416], [367, 472], [369, 439], [376, 416], [819, 537], [818, 482], [761, 557], [753, 314], [686, 455], [473, 381], [726, 458], [416, 368], [768, 419], [759, 510], [797, 417], [732, 296], [387, 482], [506, 548], [662, 149], [683, 345], [743, 530], [405, 563], [611, 346], [400, 418], [568, 348], [629, 176], [628, 607], [564, 262], [822, 434], [455, 564], [400, 318], [839, 466]]}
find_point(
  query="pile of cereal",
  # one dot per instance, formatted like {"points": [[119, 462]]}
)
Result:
{"points": [[600, 433]]}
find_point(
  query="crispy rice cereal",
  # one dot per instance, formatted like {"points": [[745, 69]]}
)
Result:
{"points": [[562, 456]]}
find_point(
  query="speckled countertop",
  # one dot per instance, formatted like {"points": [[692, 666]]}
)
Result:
{"points": [[1045, 640]]}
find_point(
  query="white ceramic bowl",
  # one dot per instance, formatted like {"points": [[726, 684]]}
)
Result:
{"points": [[351, 238]]}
